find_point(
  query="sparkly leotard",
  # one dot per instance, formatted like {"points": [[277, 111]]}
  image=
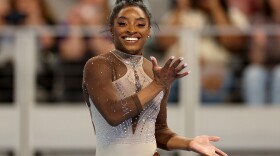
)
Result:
{"points": [[135, 135]]}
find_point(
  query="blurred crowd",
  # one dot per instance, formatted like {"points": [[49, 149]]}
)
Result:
{"points": [[239, 61]]}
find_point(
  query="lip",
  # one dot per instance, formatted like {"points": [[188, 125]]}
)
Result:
{"points": [[130, 39]]}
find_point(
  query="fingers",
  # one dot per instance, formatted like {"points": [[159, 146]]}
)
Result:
{"points": [[174, 65], [183, 74], [154, 61], [180, 68], [169, 61], [217, 151], [220, 152], [170, 70], [177, 62], [213, 138]]}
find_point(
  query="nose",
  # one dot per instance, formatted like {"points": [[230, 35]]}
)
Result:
{"points": [[131, 29]]}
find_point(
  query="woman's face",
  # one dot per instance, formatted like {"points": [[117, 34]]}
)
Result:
{"points": [[130, 30]]}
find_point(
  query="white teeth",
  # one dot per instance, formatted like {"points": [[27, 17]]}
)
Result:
{"points": [[131, 39]]}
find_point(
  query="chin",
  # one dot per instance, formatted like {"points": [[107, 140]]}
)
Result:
{"points": [[132, 51]]}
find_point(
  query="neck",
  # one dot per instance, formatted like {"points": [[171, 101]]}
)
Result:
{"points": [[129, 52], [130, 59]]}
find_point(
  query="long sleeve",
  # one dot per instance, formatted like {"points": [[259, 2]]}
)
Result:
{"points": [[98, 88], [162, 132]]}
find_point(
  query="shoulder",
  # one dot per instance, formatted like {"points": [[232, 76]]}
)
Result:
{"points": [[100, 60], [148, 62], [98, 63]]}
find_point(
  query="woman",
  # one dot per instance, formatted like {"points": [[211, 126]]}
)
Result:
{"points": [[127, 94]]}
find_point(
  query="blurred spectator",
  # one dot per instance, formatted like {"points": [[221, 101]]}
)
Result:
{"points": [[262, 76], [214, 51], [4, 10], [37, 15], [249, 7], [6, 55], [80, 39], [94, 13]]}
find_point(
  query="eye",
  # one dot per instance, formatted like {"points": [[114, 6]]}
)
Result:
{"points": [[121, 23], [141, 25]]}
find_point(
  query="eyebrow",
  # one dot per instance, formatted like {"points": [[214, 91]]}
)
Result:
{"points": [[138, 19]]}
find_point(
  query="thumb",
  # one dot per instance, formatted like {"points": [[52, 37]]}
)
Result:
{"points": [[154, 61], [214, 138]]}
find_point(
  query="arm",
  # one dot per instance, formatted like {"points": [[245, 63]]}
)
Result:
{"points": [[168, 140], [165, 138], [99, 87]]}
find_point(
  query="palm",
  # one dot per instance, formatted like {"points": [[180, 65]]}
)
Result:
{"points": [[202, 145], [169, 72]]}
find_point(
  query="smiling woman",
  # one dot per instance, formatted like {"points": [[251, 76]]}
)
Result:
{"points": [[131, 29], [127, 94]]}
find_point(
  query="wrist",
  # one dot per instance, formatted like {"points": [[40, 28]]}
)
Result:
{"points": [[188, 144], [159, 85]]}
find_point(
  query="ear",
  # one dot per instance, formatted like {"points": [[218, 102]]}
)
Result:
{"points": [[149, 31], [111, 30]]}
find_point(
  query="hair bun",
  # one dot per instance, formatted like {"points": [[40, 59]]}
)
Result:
{"points": [[128, 1]]}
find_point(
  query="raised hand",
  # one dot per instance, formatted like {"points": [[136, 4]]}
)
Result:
{"points": [[169, 72], [202, 145]]}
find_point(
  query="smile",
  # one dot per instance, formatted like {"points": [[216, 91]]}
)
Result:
{"points": [[131, 39]]}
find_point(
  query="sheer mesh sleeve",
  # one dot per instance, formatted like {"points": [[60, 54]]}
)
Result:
{"points": [[98, 88], [162, 132]]}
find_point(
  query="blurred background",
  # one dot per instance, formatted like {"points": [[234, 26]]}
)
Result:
{"points": [[232, 48]]}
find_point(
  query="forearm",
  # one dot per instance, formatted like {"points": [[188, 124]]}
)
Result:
{"points": [[129, 107], [149, 93], [123, 109]]}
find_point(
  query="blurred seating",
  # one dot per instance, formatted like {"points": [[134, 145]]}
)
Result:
{"points": [[261, 78], [6, 55], [215, 51], [83, 36], [37, 15]]}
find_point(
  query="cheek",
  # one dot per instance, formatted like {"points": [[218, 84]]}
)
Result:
{"points": [[118, 31], [145, 32]]}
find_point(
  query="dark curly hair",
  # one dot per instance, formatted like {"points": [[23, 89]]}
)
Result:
{"points": [[120, 4]]}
